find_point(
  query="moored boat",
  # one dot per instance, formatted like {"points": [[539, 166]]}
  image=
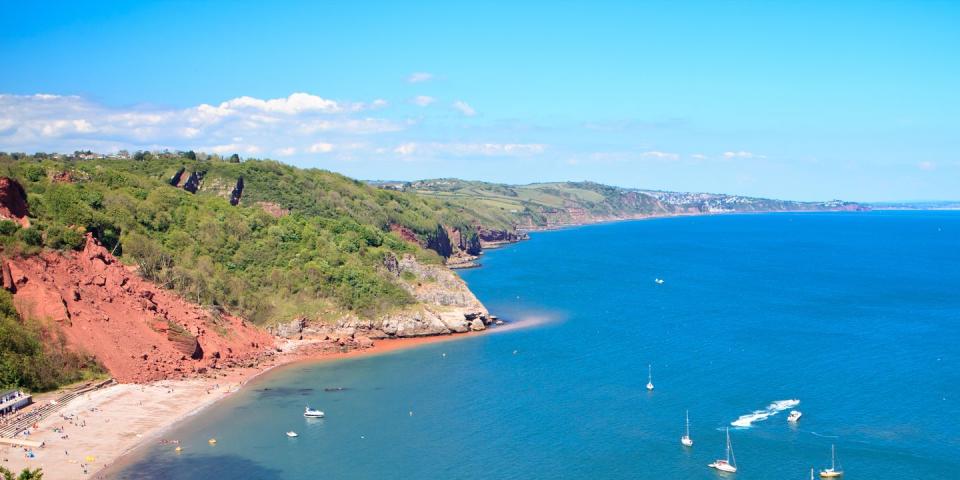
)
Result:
{"points": [[833, 471], [728, 464], [685, 440]]}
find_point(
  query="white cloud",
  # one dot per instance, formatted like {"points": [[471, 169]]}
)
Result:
{"points": [[46, 122], [419, 77], [698, 156], [464, 108], [660, 155], [232, 148], [927, 165], [470, 149], [423, 100], [321, 147], [300, 125], [741, 154]]}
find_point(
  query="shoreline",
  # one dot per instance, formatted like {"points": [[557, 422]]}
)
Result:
{"points": [[109, 424], [119, 419]]}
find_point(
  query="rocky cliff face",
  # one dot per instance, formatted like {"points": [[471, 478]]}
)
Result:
{"points": [[138, 331], [13, 202], [445, 306], [193, 181], [237, 192], [439, 241], [487, 237]]}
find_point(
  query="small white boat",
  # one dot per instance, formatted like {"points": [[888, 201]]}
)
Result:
{"points": [[728, 464], [311, 413], [658, 281], [833, 471], [685, 440], [649, 377], [794, 416], [292, 434]]}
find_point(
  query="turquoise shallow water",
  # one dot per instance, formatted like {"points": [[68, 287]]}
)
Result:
{"points": [[855, 315]]}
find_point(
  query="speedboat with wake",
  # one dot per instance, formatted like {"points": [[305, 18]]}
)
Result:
{"points": [[311, 413], [794, 416]]}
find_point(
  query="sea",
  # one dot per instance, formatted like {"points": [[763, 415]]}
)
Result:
{"points": [[851, 318]]}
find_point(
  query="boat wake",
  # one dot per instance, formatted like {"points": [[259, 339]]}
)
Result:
{"points": [[747, 421]]}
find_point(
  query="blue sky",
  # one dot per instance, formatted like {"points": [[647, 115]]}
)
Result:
{"points": [[812, 100]]}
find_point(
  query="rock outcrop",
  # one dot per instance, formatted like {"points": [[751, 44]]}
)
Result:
{"points": [[177, 177], [136, 330], [439, 241], [237, 192], [13, 202], [193, 182], [445, 305], [495, 237]]}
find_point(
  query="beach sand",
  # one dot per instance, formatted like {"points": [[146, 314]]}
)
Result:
{"points": [[110, 422]]}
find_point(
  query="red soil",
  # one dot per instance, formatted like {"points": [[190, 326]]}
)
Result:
{"points": [[137, 330], [13, 202]]}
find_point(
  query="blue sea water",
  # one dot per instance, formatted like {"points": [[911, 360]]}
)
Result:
{"points": [[856, 315]]}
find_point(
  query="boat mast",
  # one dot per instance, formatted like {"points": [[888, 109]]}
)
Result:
{"points": [[730, 455], [833, 457], [688, 424]]}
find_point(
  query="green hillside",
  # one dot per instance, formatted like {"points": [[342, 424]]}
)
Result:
{"points": [[321, 251], [552, 204]]}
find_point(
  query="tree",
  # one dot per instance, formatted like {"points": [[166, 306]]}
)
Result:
{"points": [[26, 474], [234, 158], [191, 155]]}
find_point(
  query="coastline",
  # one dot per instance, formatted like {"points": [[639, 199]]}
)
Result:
{"points": [[107, 425], [121, 418]]}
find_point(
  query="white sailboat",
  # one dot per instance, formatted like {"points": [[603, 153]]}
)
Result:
{"points": [[728, 464], [649, 377], [833, 471], [685, 439]]}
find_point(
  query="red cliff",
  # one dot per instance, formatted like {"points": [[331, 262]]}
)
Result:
{"points": [[138, 331]]}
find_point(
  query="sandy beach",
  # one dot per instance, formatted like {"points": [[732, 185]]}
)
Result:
{"points": [[93, 431]]}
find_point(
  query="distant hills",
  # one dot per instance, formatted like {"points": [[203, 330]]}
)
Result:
{"points": [[548, 205]]}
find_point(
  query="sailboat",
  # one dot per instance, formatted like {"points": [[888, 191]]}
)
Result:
{"points": [[833, 471], [728, 464], [685, 439], [649, 377]]}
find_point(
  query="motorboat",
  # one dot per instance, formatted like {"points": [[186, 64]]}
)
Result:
{"points": [[311, 413]]}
